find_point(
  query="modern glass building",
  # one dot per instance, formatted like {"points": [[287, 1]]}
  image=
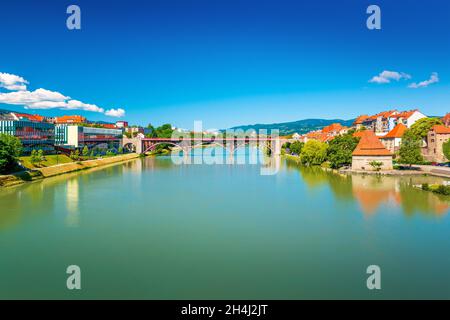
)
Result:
{"points": [[79, 136], [33, 135]]}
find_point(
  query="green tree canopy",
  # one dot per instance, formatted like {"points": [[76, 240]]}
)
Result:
{"points": [[340, 150], [421, 127], [313, 152], [296, 147], [10, 150], [410, 148], [85, 151]]}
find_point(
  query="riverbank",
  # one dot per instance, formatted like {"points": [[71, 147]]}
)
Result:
{"points": [[417, 170], [41, 173]]}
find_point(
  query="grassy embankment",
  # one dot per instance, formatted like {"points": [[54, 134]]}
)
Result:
{"points": [[36, 173], [50, 160]]}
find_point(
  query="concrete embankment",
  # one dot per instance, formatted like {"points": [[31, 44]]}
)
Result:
{"points": [[40, 173]]}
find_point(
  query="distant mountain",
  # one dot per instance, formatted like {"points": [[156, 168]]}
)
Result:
{"points": [[300, 126]]}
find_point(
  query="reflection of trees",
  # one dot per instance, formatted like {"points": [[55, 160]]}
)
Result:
{"points": [[341, 185], [372, 191], [422, 201], [19, 202]]}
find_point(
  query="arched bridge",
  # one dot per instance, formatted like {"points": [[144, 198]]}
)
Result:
{"points": [[143, 145]]}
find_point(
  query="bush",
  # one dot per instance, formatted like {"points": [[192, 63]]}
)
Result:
{"points": [[425, 187], [313, 153], [10, 150], [445, 190]]}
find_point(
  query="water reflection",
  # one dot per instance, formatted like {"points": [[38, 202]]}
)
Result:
{"points": [[373, 192], [72, 202]]}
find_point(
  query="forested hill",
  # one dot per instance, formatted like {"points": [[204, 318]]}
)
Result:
{"points": [[300, 126]]}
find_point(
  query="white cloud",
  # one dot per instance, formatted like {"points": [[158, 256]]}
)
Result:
{"points": [[75, 104], [434, 78], [30, 97], [12, 82], [44, 99], [387, 76], [115, 112]]}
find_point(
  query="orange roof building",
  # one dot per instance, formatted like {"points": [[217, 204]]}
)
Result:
{"points": [[360, 119], [370, 154], [70, 120], [446, 119], [393, 138], [436, 137], [440, 129], [397, 132]]}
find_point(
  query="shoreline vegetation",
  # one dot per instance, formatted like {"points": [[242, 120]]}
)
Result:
{"points": [[18, 178]]}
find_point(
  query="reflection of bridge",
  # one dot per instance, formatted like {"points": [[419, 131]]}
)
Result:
{"points": [[143, 145]]}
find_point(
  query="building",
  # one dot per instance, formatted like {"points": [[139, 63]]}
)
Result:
{"points": [[358, 123], [33, 135], [408, 118], [446, 120], [70, 120], [334, 129], [296, 136], [369, 151], [80, 136], [135, 130], [393, 139], [121, 124], [436, 138]]}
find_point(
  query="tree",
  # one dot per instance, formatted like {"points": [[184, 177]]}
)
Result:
{"points": [[296, 147], [34, 157], [340, 150], [10, 150], [40, 156], [421, 127], [313, 152], [409, 152], [76, 155], [376, 165], [446, 149], [91, 155], [85, 151]]}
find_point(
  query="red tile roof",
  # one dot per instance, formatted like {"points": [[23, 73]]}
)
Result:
{"points": [[446, 118], [333, 127], [440, 129], [360, 119], [370, 145], [405, 114], [397, 132], [71, 119], [383, 114], [30, 117]]}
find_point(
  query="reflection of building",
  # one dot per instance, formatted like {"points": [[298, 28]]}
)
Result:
{"points": [[436, 138], [78, 136], [33, 135], [372, 192], [370, 153]]}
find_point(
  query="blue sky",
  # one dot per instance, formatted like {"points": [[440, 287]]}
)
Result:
{"points": [[229, 62]]}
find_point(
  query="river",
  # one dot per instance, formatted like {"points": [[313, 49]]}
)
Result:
{"points": [[150, 229]]}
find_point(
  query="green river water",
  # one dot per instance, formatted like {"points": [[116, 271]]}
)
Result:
{"points": [[150, 229]]}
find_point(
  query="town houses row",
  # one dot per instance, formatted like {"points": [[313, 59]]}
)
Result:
{"points": [[63, 133], [381, 136]]}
